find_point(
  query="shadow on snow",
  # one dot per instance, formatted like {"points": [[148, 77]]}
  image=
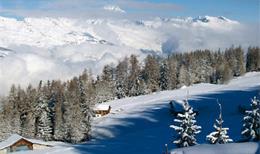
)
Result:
{"points": [[149, 132]]}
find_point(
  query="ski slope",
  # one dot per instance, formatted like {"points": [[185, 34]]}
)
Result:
{"points": [[141, 124]]}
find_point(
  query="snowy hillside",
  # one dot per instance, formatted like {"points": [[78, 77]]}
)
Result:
{"points": [[4, 52], [49, 32], [141, 124]]}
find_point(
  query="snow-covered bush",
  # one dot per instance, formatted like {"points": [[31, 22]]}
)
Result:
{"points": [[186, 127]]}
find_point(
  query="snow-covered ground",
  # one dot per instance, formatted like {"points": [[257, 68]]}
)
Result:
{"points": [[231, 148], [141, 124]]}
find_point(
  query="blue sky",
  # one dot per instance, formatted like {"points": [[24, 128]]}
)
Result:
{"points": [[241, 10]]}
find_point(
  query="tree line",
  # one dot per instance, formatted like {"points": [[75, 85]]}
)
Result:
{"points": [[62, 110]]}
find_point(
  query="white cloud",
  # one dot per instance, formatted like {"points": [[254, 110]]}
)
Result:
{"points": [[68, 46]]}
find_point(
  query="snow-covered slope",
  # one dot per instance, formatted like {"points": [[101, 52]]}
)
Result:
{"points": [[231, 148], [4, 52], [49, 32], [141, 124]]}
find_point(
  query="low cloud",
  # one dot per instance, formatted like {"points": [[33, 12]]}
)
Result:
{"points": [[97, 42]]}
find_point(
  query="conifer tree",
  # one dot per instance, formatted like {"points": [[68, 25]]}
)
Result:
{"points": [[121, 79], [186, 127], [44, 126], [251, 126], [136, 85], [184, 76], [86, 112], [164, 76], [172, 78], [152, 73], [219, 136]]}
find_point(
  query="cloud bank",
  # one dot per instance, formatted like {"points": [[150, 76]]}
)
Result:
{"points": [[59, 48]]}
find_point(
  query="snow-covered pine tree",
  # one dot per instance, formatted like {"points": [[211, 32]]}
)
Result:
{"points": [[105, 85], [86, 112], [122, 74], [136, 84], [164, 76], [183, 78], [251, 126], [219, 136], [12, 111], [44, 126], [186, 127]]}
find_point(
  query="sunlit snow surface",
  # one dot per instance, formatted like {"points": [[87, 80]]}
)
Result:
{"points": [[141, 124]]}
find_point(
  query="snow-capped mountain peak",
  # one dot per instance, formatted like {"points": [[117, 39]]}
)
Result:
{"points": [[114, 8], [208, 19]]}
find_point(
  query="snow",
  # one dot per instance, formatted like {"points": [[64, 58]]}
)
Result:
{"points": [[230, 148], [141, 124], [101, 107], [114, 8]]}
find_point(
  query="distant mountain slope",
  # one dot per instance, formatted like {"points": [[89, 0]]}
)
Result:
{"points": [[49, 32]]}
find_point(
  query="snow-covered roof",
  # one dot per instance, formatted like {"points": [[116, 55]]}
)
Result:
{"points": [[101, 107], [15, 137]]}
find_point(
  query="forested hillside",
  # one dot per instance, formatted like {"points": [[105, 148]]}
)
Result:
{"points": [[62, 110]]}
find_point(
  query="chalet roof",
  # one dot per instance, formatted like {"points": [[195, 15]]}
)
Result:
{"points": [[15, 137], [101, 107]]}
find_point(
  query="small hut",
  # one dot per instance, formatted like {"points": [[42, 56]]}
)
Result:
{"points": [[17, 143], [101, 110]]}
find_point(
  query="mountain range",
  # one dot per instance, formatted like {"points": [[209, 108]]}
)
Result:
{"points": [[48, 47]]}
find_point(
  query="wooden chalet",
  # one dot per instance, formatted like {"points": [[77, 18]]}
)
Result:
{"points": [[17, 143], [101, 110]]}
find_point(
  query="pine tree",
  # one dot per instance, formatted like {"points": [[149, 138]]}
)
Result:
{"points": [[186, 127], [251, 126], [121, 79], [173, 63], [43, 124], [136, 85], [105, 86], [164, 76], [86, 112], [12, 111], [220, 134], [59, 123], [27, 98], [152, 73], [184, 77], [253, 59]]}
